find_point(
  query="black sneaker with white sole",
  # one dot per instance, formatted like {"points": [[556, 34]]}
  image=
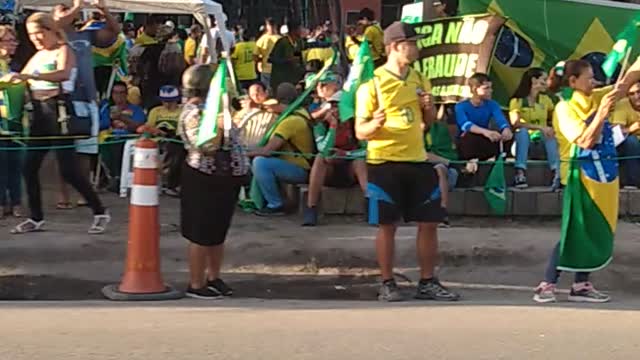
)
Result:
{"points": [[432, 290], [203, 294], [220, 287]]}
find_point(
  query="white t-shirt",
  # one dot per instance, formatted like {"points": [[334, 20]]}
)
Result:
{"points": [[228, 39]]}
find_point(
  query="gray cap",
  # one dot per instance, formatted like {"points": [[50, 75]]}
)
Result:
{"points": [[286, 93], [399, 31], [197, 77]]}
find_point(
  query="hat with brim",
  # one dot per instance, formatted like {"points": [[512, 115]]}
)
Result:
{"points": [[399, 32], [169, 93]]}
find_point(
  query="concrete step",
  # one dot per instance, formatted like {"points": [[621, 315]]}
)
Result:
{"points": [[534, 201], [538, 174]]}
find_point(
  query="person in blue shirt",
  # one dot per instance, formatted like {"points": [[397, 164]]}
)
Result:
{"points": [[477, 140], [121, 118]]}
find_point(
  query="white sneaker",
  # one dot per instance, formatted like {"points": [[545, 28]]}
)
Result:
{"points": [[545, 293]]}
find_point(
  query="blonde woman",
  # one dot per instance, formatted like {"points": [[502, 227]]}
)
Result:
{"points": [[50, 76]]}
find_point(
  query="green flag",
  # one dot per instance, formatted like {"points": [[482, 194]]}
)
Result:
{"points": [[254, 193], [361, 72], [624, 43], [589, 214], [209, 124], [495, 189]]}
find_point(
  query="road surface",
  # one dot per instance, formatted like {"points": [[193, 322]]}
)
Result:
{"points": [[270, 329]]}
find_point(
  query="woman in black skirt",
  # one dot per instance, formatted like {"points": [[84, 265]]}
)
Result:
{"points": [[211, 179]]}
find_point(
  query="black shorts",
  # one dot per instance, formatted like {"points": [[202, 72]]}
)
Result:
{"points": [[341, 175], [207, 204], [403, 190]]}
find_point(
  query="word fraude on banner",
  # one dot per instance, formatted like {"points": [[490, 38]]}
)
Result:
{"points": [[453, 50]]}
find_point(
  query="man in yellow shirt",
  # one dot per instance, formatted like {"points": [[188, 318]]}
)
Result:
{"points": [[373, 32], [191, 45], [627, 115], [165, 118], [264, 46], [390, 112], [294, 136], [243, 64]]}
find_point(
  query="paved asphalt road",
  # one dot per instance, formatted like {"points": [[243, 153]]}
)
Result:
{"points": [[259, 329]]}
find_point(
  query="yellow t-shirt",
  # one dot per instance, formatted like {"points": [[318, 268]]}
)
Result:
{"points": [[375, 35], [190, 50], [322, 54], [163, 118], [537, 114], [298, 138], [569, 123], [145, 39], [264, 47], [624, 114], [242, 59], [351, 48], [401, 137], [4, 69]]}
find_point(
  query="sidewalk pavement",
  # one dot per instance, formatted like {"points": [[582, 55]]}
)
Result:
{"points": [[279, 251]]}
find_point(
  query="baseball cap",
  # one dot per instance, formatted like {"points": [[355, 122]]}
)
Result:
{"points": [[286, 93], [169, 93], [399, 31]]}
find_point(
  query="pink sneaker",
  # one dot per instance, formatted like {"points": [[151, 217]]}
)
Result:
{"points": [[545, 293]]}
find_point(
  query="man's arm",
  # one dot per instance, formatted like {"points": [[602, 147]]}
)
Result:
{"points": [[109, 33], [274, 144], [68, 17]]}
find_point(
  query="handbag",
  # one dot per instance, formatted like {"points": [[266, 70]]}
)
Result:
{"points": [[73, 117]]}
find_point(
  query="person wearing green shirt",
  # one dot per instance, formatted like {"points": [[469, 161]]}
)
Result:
{"points": [[11, 104]]}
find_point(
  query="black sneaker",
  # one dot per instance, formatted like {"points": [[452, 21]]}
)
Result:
{"points": [[520, 181], [267, 211], [220, 287], [433, 290], [204, 294], [310, 216], [389, 292]]}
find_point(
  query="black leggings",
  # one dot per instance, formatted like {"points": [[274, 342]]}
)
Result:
{"points": [[44, 113]]}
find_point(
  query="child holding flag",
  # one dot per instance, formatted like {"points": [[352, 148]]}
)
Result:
{"points": [[590, 173]]}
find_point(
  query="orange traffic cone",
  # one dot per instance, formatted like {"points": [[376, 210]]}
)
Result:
{"points": [[142, 279]]}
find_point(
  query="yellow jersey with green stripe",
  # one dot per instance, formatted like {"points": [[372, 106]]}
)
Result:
{"points": [[401, 138]]}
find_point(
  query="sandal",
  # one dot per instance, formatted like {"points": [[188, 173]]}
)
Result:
{"points": [[81, 203], [28, 226], [64, 205], [100, 223]]}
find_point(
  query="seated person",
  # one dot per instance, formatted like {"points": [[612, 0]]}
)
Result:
{"points": [[165, 118], [627, 115], [292, 135], [122, 118], [530, 112], [256, 96], [440, 150], [477, 141], [333, 138]]}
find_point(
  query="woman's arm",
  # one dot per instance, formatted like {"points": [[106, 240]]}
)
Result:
{"points": [[65, 62]]}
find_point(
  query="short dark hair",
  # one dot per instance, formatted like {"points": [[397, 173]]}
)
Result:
{"points": [[293, 25], [153, 20], [118, 83], [524, 88], [477, 79], [257, 83], [366, 13], [573, 68], [271, 21]]}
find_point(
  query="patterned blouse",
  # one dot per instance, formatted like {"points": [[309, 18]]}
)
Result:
{"points": [[203, 158]]}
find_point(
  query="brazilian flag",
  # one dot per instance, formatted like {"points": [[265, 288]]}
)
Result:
{"points": [[590, 207], [495, 189]]}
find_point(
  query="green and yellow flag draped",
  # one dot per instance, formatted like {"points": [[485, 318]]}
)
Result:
{"points": [[590, 213], [110, 55]]}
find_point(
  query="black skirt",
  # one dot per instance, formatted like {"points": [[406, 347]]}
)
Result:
{"points": [[207, 205]]}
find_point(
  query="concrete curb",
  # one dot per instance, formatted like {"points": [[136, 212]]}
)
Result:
{"points": [[111, 292]]}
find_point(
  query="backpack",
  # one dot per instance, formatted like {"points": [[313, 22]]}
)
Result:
{"points": [[171, 60]]}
